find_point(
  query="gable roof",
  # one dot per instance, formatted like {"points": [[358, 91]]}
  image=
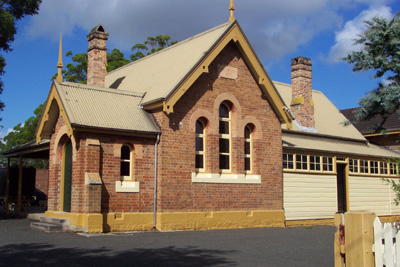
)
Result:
{"points": [[158, 74], [392, 123], [328, 119], [91, 107], [166, 75]]}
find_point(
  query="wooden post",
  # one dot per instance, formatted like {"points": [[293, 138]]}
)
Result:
{"points": [[338, 248], [359, 233], [19, 201], [5, 208]]}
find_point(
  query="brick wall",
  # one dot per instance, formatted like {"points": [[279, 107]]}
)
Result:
{"points": [[177, 146], [42, 180]]}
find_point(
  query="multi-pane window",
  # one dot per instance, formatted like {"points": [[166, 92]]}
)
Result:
{"points": [[374, 167], [383, 167], [200, 146], [363, 166], [288, 161], [126, 161], [301, 162], [393, 168], [248, 149], [353, 165], [315, 163], [327, 164], [312, 163], [224, 137]]}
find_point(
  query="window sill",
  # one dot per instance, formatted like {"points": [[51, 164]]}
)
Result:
{"points": [[225, 178], [127, 187]]}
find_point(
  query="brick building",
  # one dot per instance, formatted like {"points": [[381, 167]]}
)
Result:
{"points": [[192, 137]]}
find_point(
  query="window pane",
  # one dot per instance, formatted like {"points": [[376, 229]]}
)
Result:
{"points": [[223, 111], [247, 164], [223, 145], [199, 161], [224, 162], [247, 148], [125, 152], [247, 133], [199, 144], [224, 127], [199, 127], [125, 168]]}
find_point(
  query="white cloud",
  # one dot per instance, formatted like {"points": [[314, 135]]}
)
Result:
{"points": [[3, 134], [344, 39], [275, 28]]}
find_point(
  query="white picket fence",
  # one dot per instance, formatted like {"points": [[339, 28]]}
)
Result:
{"points": [[386, 248]]}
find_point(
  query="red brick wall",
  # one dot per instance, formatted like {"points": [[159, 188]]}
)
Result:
{"points": [[102, 159], [302, 87], [177, 146]]}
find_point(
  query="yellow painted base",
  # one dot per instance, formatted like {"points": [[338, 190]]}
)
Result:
{"points": [[80, 222], [169, 221], [297, 223]]}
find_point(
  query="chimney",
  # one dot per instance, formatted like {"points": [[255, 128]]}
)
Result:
{"points": [[97, 56], [302, 105]]}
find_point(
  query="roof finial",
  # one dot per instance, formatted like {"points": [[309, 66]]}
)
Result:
{"points": [[59, 63], [232, 10]]}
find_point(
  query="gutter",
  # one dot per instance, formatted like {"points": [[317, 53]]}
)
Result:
{"points": [[155, 182]]}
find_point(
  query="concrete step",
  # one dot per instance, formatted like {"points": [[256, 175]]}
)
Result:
{"points": [[46, 227], [56, 221]]}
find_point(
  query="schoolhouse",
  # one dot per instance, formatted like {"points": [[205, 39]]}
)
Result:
{"points": [[193, 137]]}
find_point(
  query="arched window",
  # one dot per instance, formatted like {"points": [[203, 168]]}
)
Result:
{"points": [[224, 138], [126, 162], [200, 146], [248, 149]]}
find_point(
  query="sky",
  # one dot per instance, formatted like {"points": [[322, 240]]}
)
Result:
{"points": [[322, 30]]}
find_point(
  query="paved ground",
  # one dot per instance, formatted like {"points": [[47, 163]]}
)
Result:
{"points": [[299, 246]]}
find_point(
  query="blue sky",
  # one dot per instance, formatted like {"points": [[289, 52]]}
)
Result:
{"points": [[322, 30]]}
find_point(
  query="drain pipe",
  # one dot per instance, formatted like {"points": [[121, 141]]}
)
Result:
{"points": [[155, 181]]}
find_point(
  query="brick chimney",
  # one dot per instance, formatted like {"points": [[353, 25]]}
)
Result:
{"points": [[302, 105], [97, 56]]}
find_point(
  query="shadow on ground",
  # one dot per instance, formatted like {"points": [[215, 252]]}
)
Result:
{"points": [[39, 254]]}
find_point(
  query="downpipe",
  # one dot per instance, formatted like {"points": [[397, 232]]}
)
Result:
{"points": [[155, 182]]}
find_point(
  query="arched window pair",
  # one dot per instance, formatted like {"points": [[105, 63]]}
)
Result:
{"points": [[126, 162], [225, 142]]}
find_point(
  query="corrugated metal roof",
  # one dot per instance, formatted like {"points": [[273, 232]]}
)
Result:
{"points": [[93, 106], [319, 143], [159, 74], [328, 119], [366, 127]]}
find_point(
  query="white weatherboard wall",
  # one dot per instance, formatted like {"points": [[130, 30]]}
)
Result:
{"points": [[309, 196], [372, 194]]}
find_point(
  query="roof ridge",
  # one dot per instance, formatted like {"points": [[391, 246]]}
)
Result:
{"points": [[102, 89], [173, 46]]}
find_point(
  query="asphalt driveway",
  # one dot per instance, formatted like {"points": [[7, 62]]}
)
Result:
{"points": [[298, 246]]}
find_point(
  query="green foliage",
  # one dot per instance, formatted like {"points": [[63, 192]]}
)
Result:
{"points": [[76, 71], [381, 53], [10, 12], [151, 45], [22, 134], [395, 187]]}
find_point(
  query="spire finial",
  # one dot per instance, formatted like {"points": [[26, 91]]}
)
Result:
{"points": [[59, 63], [232, 10]]}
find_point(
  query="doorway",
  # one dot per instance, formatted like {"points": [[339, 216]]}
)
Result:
{"points": [[341, 187], [67, 181]]}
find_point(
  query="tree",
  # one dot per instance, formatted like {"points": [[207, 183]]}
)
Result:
{"points": [[76, 71], [150, 46], [10, 12], [380, 53], [24, 133]]}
